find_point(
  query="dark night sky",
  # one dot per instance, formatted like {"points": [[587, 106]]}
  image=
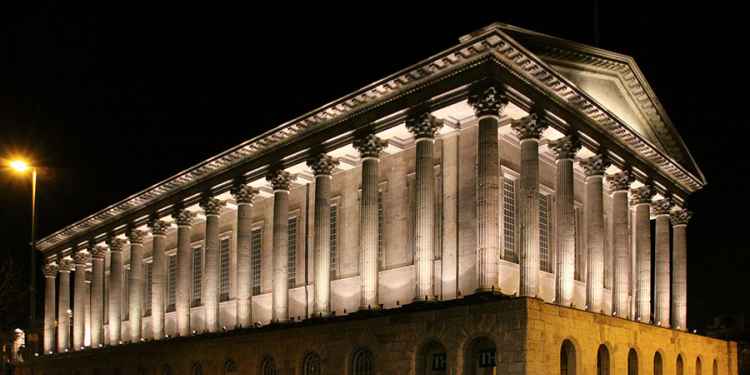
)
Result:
{"points": [[112, 100]]}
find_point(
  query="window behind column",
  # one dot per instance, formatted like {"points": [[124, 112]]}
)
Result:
{"points": [[580, 265], [381, 228], [510, 252], [148, 269], [256, 243], [125, 294], [333, 240], [106, 299], [197, 275], [224, 269], [171, 282], [292, 252], [545, 261]]}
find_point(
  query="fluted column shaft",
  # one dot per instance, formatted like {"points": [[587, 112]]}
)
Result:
{"points": [[529, 130], [50, 274], [642, 230], [136, 283], [594, 207], [280, 181], [116, 271], [620, 185], [661, 263], [184, 220], [80, 303], [97, 296], [243, 195], [322, 165], [565, 150], [679, 266], [158, 278], [63, 306], [212, 208]]}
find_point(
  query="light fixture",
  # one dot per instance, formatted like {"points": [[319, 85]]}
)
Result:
{"points": [[19, 165]]}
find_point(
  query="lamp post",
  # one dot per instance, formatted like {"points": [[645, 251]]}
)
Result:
{"points": [[22, 166]]}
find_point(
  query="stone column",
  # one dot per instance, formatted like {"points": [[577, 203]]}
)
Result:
{"points": [[424, 127], [158, 277], [529, 130], [661, 210], [244, 196], [80, 303], [98, 253], [680, 218], [322, 165], [280, 181], [620, 184], [136, 284], [488, 102], [594, 168], [565, 152], [184, 219], [641, 201], [212, 207], [50, 274], [63, 305], [369, 147], [116, 271]]}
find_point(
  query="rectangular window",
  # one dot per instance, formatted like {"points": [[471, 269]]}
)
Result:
{"points": [[125, 295], [607, 248], [509, 220], [106, 299], [197, 275], [224, 268], [580, 266], [171, 283], [438, 254], [148, 269], [381, 228], [545, 261], [256, 243], [333, 239], [292, 252]]}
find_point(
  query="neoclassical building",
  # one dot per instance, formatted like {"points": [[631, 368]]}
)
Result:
{"points": [[487, 210]]}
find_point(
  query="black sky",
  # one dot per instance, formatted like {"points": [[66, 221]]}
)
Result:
{"points": [[114, 99]]}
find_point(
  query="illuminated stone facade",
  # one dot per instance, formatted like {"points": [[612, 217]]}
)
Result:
{"points": [[509, 210]]}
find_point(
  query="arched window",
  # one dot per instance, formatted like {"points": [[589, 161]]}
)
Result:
{"points": [[602, 360], [363, 363], [567, 358], [658, 365], [432, 359], [268, 367], [480, 357], [311, 364], [197, 369], [698, 366], [632, 362], [680, 368], [716, 368]]}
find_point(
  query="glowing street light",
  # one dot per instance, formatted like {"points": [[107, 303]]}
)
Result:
{"points": [[19, 165]]}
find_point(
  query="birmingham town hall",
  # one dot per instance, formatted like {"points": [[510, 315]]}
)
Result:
{"points": [[487, 210]]}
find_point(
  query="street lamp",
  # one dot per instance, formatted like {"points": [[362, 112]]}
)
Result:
{"points": [[22, 166]]}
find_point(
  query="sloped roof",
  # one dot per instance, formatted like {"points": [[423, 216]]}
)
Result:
{"points": [[614, 81]]}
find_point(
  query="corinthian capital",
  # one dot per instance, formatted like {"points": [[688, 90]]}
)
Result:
{"points": [[116, 244], [595, 165], [423, 125], [530, 127], [50, 270], [66, 264], [369, 146], [244, 193], [183, 217], [279, 179], [681, 216], [620, 181], [322, 164], [661, 206], [99, 252], [158, 227], [212, 206], [641, 195], [487, 100], [565, 147], [81, 258], [136, 236]]}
